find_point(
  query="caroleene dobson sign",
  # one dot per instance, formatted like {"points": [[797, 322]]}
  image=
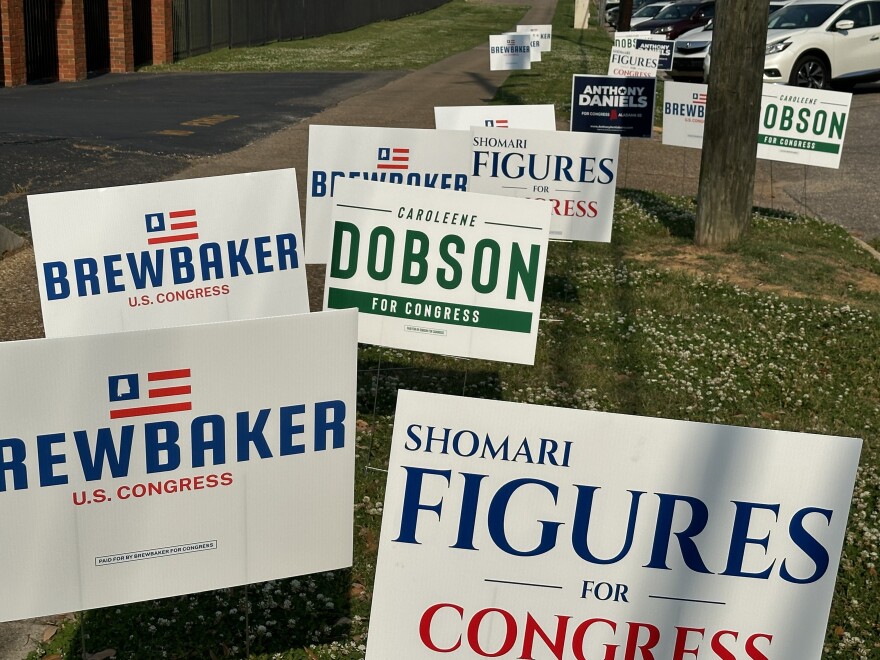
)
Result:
{"points": [[576, 172], [173, 253], [514, 531], [440, 272], [165, 462], [409, 156]]}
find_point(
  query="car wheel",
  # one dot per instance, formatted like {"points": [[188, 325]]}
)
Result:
{"points": [[810, 71]]}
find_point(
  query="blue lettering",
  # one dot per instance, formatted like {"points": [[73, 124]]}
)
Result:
{"points": [[211, 258], [182, 271], [247, 435], [55, 274], [161, 438], [324, 424], [238, 258], [412, 504], [146, 269], [498, 512], [105, 452], [208, 434], [47, 459], [808, 543]]}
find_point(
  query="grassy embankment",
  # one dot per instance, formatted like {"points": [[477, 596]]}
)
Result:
{"points": [[780, 331]]}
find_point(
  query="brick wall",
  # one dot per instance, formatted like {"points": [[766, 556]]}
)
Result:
{"points": [[121, 36], [13, 66], [70, 20], [163, 41]]}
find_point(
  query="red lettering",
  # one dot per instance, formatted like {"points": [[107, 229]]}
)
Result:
{"points": [[185, 484], [226, 478], [425, 624], [719, 649], [198, 482], [577, 641], [632, 641], [681, 639], [752, 651], [473, 632], [557, 646]]}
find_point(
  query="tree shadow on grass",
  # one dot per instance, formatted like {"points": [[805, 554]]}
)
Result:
{"points": [[668, 212]]}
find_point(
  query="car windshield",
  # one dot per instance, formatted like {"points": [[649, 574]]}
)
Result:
{"points": [[793, 17], [648, 11], [677, 11]]}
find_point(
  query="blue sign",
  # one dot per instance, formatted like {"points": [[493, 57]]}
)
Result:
{"points": [[613, 105], [662, 47]]}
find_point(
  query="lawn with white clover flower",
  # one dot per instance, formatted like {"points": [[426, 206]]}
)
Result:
{"points": [[780, 331]]}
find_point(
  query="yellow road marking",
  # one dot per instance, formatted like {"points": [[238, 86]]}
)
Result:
{"points": [[172, 131]]}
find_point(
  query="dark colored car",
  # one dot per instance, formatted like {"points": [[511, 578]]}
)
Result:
{"points": [[680, 17], [612, 16]]}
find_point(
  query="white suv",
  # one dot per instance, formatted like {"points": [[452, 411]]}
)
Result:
{"points": [[814, 43]]}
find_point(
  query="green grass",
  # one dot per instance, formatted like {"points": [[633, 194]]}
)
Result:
{"points": [[407, 43], [779, 331]]}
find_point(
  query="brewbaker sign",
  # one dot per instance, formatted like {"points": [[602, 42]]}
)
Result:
{"points": [[408, 156], [519, 531], [171, 253], [142, 465], [440, 272], [575, 172]]}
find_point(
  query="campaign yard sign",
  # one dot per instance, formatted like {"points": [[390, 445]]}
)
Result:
{"points": [[172, 253], [410, 156], [630, 39], [440, 272], [633, 62], [684, 114], [576, 172], [804, 126], [520, 531], [510, 52], [609, 104], [462, 117], [543, 34], [662, 47], [149, 464]]}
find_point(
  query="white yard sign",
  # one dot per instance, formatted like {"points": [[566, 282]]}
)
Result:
{"points": [[173, 253], [543, 33], [509, 52], [684, 114], [633, 62], [803, 126], [409, 156], [576, 172], [629, 39], [440, 272], [797, 125], [461, 118], [518, 531], [150, 464]]}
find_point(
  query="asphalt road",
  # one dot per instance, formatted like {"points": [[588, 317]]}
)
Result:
{"points": [[121, 129]]}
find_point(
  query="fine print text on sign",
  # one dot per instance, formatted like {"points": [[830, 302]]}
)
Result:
{"points": [[574, 534], [509, 52], [803, 126], [166, 462], [172, 253], [576, 172], [633, 62], [617, 105], [440, 272], [409, 156], [463, 117]]}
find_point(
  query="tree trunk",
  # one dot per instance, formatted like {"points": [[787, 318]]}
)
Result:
{"points": [[730, 139], [624, 15], [600, 13]]}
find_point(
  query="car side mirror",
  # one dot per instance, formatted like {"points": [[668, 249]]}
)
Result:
{"points": [[843, 26]]}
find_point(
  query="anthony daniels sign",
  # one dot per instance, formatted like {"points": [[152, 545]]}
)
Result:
{"points": [[516, 531], [439, 272], [165, 462], [617, 105], [171, 253]]}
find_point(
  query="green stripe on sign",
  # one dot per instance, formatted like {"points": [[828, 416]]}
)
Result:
{"points": [[419, 309], [798, 143]]}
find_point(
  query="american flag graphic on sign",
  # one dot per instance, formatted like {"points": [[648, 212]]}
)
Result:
{"points": [[497, 123], [700, 99], [166, 392], [393, 158], [172, 227]]}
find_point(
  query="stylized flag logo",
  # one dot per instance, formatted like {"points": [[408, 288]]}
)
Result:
{"points": [[179, 226], [391, 158], [497, 123], [700, 99], [167, 392]]}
